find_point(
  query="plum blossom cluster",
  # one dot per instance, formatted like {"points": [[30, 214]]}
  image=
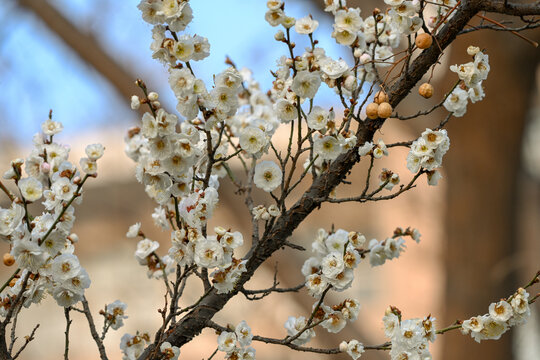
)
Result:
{"points": [[333, 318], [336, 257], [427, 153], [338, 254], [42, 246], [236, 343], [410, 338], [191, 247], [471, 75], [501, 317]]}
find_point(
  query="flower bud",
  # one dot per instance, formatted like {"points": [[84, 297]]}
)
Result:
{"points": [[45, 167], [279, 36], [423, 41], [372, 111], [384, 110], [350, 83], [135, 102], [74, 238], [426, 90], [380, 97], [343, 346], [473, 50], [365, 58], [153, 96], [8, 259]]}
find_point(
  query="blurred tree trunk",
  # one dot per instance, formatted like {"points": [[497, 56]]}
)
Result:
{"points": [[482, 170]]}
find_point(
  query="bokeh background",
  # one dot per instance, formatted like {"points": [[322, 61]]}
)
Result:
{"points": [[480, 226]]}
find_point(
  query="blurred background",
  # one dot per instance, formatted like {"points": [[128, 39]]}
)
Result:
{"points": [[480, 227]]}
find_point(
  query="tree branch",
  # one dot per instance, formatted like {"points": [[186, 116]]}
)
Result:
{"points": [[502, 7], [197, 319]]}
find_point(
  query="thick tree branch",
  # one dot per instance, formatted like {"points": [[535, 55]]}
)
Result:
{"points": [[275, 237], [512, 8]]}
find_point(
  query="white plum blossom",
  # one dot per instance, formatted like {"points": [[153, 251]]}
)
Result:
{"points": [[145, 248], [306, 25], [31, 189], [334, 69], [252, 139], [306, 84], [133, 345], [50, 127], [115, 314], [294, 325], [327, 147], [318, 118], [94, 151], [169, 351], [208, 253], [226, 341], [267, 176], [354, 348], [243, 334], [133, 230]]}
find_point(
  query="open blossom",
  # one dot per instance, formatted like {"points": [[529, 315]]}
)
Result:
{"points": [[226, 341], [354, 348], [286, 111], [63, 188], [50, 127], [327, 147], [65, 266], [31, 188], [306, 84], [318, 118], [94, 151], [169, 352], [267, 176], [133, 230], [133, 345], [145, 247], [306, 25], [115, 314], [252, 139], [243, 333], [294, 325], [184, 48], [349, 20], [334, 69], [208, 253], [28, 254]]}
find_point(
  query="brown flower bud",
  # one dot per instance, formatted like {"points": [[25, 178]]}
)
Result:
{"points": [[426, 90], [380, 97], [8, 259], [372, 110], [385, 110], [423, 41]]}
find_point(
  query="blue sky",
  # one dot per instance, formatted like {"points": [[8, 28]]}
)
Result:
{"points": [[38, 72]]}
